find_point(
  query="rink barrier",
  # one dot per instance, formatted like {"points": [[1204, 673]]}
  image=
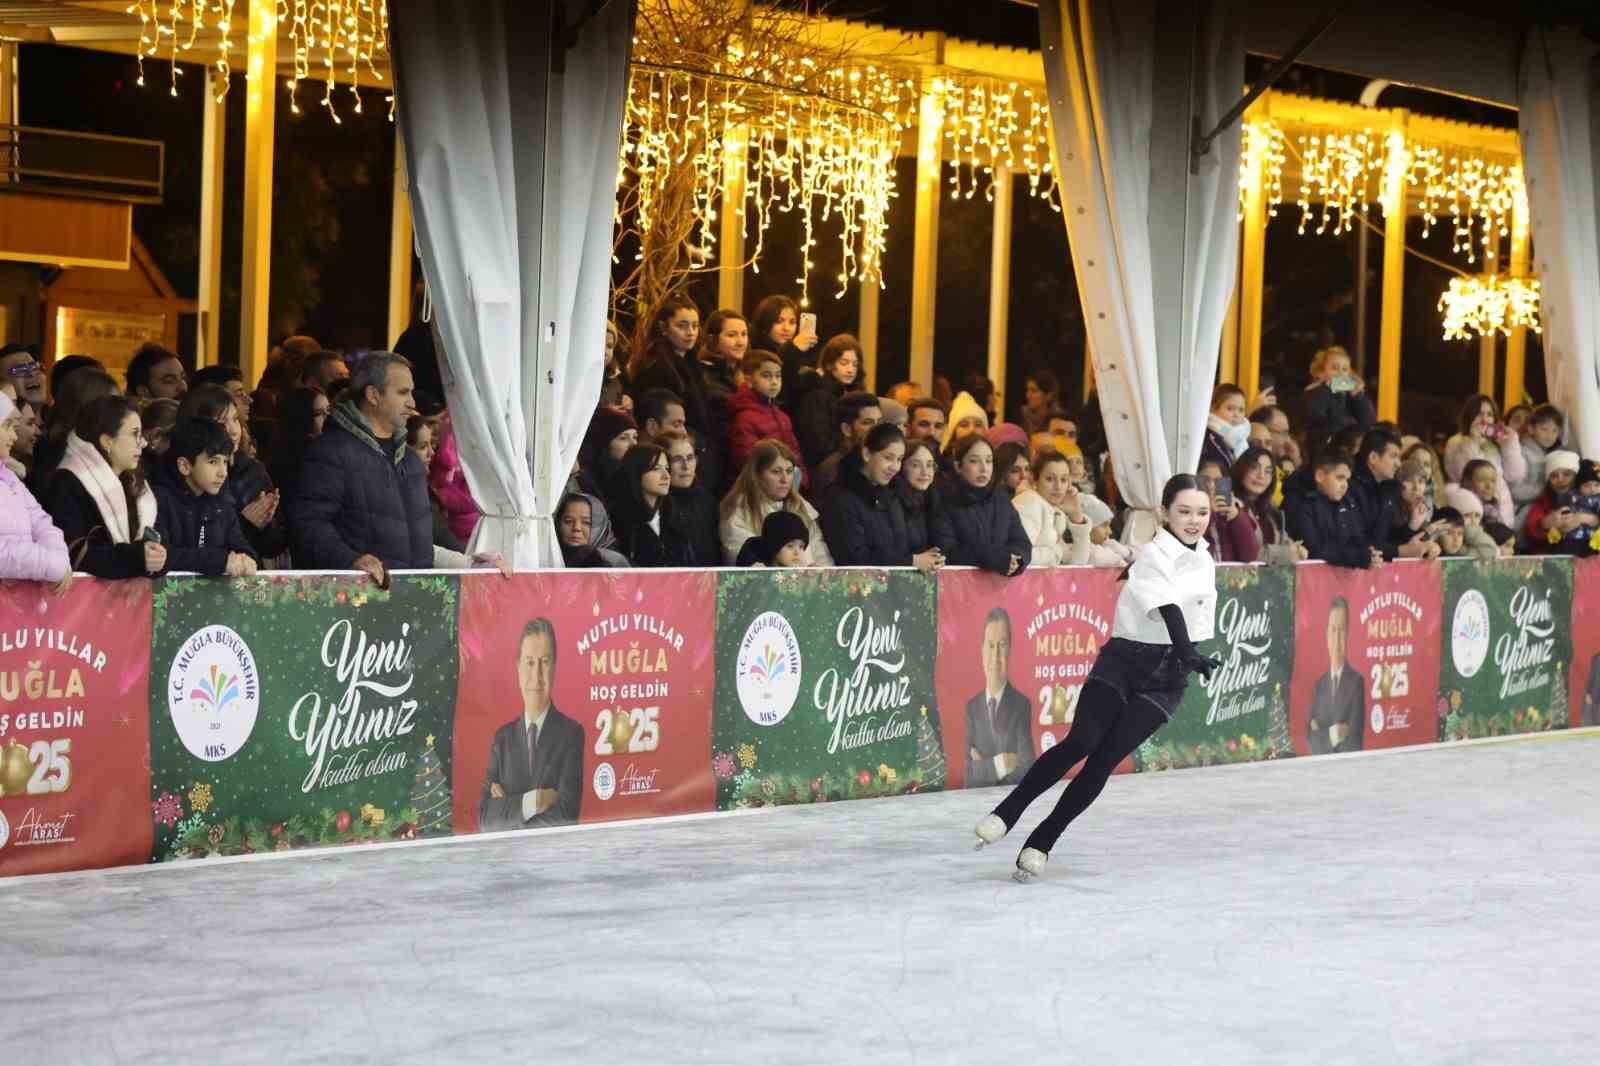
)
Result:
{"points": [[190, 717]]}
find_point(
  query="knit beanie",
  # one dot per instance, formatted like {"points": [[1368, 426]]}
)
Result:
{"points": [[1096, 510], [605, 426], [779, 528], [1587, 471], [964, 406], [1561, 460], [1464, 500], [1008, 432]]}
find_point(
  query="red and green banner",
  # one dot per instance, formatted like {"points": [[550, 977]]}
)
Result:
{"points": [[824, 687], [1506, 648], [293, 712], [1013, 656], [1584, 682], [74, 726], [617, 663], [1241, 713], [1366, 664]]}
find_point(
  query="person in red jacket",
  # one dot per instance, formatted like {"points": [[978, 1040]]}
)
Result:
{"points": [[754, 414]]}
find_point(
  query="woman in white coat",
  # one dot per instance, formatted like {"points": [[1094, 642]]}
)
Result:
{"points": [[1061, 521], [1138, 681]]}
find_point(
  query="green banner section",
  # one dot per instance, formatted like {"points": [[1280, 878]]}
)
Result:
{"points": [[1242, 713], [1507, 647], [292, 712], [824, 687]]}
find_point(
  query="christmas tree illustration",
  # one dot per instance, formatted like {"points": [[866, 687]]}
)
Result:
{"points": [[1278, 728], [430, 794], [930, 753]]}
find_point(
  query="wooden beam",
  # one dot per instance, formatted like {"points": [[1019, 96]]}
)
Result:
{"points": [[925, 237], [260, 107], [400, 243], [1394, 271], [1000, 284], [213, 153], [1517, 343], [730, 243], [1488, 343], [867, 334], [1252, 280]]}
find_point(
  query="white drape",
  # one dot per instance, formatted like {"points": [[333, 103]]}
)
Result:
{"points": [[1554, 120], [1155, 362], [511, 142]]}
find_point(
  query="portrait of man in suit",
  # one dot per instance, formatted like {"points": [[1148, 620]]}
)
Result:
{"points": [[1339, 699], [999, 737], [535, 774]]}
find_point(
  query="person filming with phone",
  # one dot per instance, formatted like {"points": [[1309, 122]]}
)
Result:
{"points": [[1337, 398]]}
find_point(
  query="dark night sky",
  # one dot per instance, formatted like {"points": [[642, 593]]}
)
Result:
{"points": [[331, 225]]}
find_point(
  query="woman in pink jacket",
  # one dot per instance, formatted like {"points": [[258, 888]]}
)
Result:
{"points": [[450, 484], [31, 547]]}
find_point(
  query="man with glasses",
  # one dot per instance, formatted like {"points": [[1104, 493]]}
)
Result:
{"points": [[20, 367]]}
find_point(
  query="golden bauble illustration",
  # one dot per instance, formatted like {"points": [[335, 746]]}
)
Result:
{"points": [[15, 769]]}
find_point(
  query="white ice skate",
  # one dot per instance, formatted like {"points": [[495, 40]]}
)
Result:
{"points": [[990, 828], [1030, 864]]}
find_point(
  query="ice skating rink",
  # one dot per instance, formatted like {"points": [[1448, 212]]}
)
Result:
{"points": [[1425, 906]]}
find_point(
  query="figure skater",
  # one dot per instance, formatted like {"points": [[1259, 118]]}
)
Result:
{"points": [[1169, 601]]}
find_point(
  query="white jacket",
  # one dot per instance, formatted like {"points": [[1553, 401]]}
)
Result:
{"points": [[737, 528], [1166, 572], [1046, 527]]}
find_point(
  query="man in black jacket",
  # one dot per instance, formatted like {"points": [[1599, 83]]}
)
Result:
{"points": [[194, 515], [1327, 521], [1376, 494], [362, 499]]}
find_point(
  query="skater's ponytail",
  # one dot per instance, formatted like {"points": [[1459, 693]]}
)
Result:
{"points": [[1175, 484]]}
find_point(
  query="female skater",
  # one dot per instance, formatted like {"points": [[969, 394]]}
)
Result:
{"points": [[1137, 682]]}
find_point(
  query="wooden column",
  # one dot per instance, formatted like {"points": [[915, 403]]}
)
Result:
{"points": [[400, 243], [1000, 285], [925, 239], [213, 153], [730, 244], [867, 334], [1252, 271], [259, 112], [1517, 343], [1394, 271], [1488, 343]]}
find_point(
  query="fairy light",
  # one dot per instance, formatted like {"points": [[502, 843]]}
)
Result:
{"points": [[1479, 306], [815, 142], [1262, 152], [985, 131]]}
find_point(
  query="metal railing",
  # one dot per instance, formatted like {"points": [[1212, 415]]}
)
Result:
{"points": [[70, 163]]}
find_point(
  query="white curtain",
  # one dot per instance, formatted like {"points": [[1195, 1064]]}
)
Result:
{"points": [[1154, 284], [1555, 120], [511, 114]]}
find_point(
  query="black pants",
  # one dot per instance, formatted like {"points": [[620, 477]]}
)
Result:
{"points": [[1105, 731]]}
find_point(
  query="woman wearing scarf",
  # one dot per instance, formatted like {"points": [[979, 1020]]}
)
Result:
{"points": [[97, 498]]}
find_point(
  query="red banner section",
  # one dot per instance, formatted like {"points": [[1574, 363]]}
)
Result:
{"points": [[622, 660], [1584, 703], [1366, 662], [74, 726], [1013, 655]]}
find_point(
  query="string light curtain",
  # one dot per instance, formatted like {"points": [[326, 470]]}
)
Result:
{"points": [[990, 125]]}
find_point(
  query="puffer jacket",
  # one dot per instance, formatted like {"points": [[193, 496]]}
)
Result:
{"points": [[199, 531], [863, 522], [754, 419], [979, 527], [361, 495], [247, 479], [449, 484], [814, 421], [31, 547]]}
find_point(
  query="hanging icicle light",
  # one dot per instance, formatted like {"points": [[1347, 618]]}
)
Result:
{"points": [[984, 130], [1262, 151], [1477, 306], [327, 39]]}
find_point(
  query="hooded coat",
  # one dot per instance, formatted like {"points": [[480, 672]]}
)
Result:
{"points": [[864, 523], [979, 527]]}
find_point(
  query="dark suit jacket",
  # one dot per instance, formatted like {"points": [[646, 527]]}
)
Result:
{"points": [[559, 766], [1346, 707], [1012, 732]]}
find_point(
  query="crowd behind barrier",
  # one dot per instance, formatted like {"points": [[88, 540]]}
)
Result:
{"points": [[185, 717]]}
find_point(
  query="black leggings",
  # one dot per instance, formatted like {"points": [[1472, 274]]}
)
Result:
{"points": [[1105, 731]]}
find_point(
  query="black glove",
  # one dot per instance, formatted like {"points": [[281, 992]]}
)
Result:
{"points": [[1190, 659], [1203, 665]]}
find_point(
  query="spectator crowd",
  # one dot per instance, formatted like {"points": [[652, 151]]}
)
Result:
{"points": [[734, 442]]}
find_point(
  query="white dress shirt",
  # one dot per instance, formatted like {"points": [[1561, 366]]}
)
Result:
{"points": [[536, 724], [1168, 571]]}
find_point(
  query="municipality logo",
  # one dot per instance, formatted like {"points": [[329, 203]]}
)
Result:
{"points": [[213, 693], [1469, 633], [767, 671]]}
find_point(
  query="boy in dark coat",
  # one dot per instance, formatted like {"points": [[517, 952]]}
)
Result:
{"points": [[1327, 521], [194, 513]]}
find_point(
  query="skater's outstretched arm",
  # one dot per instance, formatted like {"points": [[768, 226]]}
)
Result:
{"points": [[1191, 659]]}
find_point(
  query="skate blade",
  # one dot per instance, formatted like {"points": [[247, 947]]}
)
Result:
{"points": [[1023, 877]]}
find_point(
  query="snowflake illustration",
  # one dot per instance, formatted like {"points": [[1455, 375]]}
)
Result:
{"points": [[768, 788], [747, 756], [200, 797], [167, 808], [722, 766]]}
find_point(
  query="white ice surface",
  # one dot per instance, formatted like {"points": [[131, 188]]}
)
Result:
{"points": [[1431, 906]]}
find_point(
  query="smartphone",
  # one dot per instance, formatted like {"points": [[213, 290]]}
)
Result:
{"points": [[808, 322], [1343, 383], [150, 535], [1268, 383], [1223, 487]]}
